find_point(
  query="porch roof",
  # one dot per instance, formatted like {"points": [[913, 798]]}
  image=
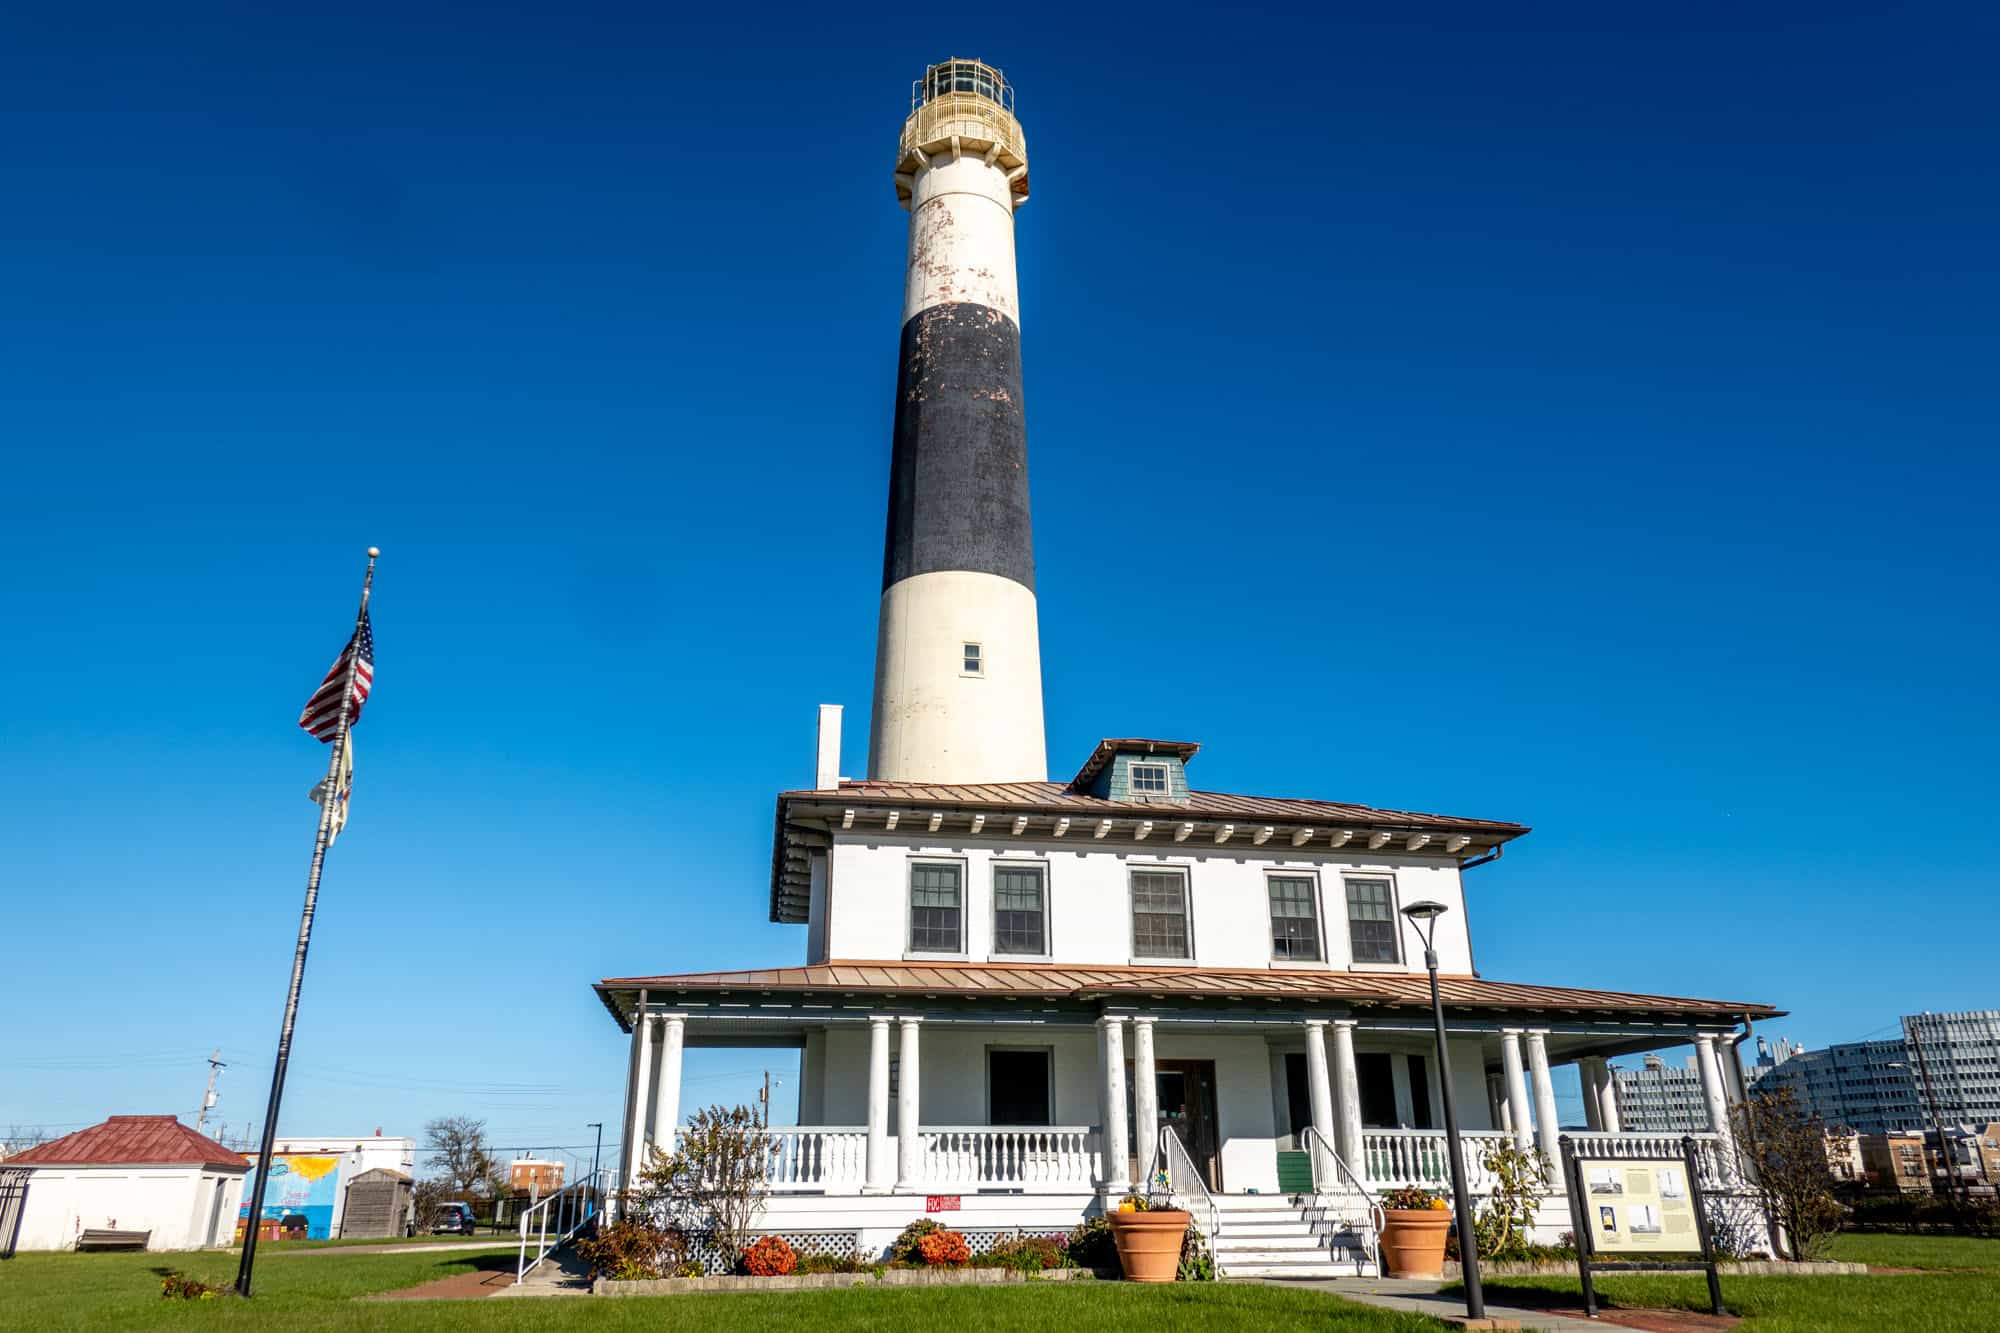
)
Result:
{"points": [[1087, 983]]}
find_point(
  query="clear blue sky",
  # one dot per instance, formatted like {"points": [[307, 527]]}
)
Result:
{"points": [[1572, 415]]}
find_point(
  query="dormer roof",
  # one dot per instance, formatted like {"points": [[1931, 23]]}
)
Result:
{"points": [[1109, 749]]}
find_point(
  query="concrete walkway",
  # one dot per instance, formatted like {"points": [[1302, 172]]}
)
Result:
{"points": [[1418, 1296], [439, 1247]]}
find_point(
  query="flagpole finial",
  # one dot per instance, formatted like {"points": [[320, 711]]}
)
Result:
{"points": [[374, 552]]}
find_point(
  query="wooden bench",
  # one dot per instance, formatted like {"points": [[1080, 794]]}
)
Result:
{"points": [[100, 1238]]}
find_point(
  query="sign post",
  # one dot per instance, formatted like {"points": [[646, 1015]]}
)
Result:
{"points": [[1637, 1206]]}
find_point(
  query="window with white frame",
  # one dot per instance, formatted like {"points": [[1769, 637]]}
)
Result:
{"points": [[1020, 909], [1149, 779], [937, 899], [1159, 914], [973, 660], [1371, 919], [1294, 919]]}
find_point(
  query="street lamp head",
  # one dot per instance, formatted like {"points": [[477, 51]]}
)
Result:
{"points": [[1425, 910]]}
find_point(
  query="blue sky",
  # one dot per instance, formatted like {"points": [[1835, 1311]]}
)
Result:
{"points": [[1579, 416]]}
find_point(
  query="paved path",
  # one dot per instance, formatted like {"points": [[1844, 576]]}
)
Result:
{"points": [[1424, 1297], [496, 1244]]}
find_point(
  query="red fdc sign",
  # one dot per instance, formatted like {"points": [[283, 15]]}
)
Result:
{"points": [[941, 1203]]}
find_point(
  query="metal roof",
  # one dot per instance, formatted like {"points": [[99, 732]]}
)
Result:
{"points": [[133, 1140], [1083, 983]]}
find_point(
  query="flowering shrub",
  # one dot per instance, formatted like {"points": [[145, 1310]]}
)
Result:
{"points": [[1415, 1198], [770, 1257], [945, 1249], [1028, 1254], [635, 1248], [904, 1249]]}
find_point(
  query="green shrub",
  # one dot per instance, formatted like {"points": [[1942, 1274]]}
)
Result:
{"points": [[904, 1250], [1027, 1254], [633, 1249], [834, 1263], [178, 1286], [1090, 1246]]}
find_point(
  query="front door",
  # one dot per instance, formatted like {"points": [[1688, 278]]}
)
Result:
{"points": [[1187, 1103]]}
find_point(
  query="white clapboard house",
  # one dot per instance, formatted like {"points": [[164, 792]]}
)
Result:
{"points": [[1021, 997]]}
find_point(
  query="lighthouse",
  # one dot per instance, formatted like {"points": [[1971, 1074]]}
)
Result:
{"points": [[958, 671]]}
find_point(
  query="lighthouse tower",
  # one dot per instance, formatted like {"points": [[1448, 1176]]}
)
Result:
{"points": [[958, 670]]}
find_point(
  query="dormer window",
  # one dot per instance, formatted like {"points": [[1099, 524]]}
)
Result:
{"points": [[1149, 779], [973, 661]]}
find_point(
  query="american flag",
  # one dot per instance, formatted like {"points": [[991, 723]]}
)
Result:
{"points": [[322, 714]]}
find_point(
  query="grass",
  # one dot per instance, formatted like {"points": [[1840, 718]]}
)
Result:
{"points": [[61, 1292], [1958, 1293]]}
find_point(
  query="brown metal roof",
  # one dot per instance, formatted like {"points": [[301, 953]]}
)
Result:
{"points": [[1055, 980], [1182, 750], [1056, 798], [133, 1140]]}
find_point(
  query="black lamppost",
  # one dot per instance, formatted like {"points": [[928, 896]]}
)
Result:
{"points": [[595, 1153], [1424, 915]]}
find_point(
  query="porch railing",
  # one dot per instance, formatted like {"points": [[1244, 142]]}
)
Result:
{"points": [[1184, 1185], [1341, 1197], [995, 1157], [808, 1158], [1395, 1157], [552, 1221]]}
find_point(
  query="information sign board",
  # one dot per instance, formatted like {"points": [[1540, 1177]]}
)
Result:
{"points": [[1633, 1208]]}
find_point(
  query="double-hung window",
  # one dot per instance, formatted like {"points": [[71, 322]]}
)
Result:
{"points": [[1294, 921], [1149, 780], [1371, 919], [1159, 914], [1020, 910], [937, 907]]}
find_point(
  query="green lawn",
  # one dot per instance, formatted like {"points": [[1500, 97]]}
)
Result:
{"points": [[51, 1292], [1960, 1295]]}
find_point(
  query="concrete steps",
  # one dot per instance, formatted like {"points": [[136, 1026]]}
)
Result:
{"points": [[1274, 1235]]}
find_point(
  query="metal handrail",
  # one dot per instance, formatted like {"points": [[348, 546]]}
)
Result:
{"points": [[1375, 1218], [570, 1209], [1180, 1166]]}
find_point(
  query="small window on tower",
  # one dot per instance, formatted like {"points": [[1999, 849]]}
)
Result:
{"points": [[975, 660], [1149, 779]]}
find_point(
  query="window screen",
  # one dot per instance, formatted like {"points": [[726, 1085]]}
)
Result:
{"points": [[1020, 918], [1294, 923], [1371, 920], [1159, 914], [935, 895]]}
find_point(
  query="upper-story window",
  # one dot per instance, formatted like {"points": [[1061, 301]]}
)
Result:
{"points": [[937, 907], [1020, 910], [1149, 780], [1160, 914], [1294, 919], [1371, 919], [972, 662]]}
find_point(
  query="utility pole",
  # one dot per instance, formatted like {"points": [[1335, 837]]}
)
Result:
{"points": [[764, 1100], [216, 1065]]}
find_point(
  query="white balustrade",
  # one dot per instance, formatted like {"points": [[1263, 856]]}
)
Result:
{"points": [[1395, 1157], [1033, 1159], [816, 1157]]}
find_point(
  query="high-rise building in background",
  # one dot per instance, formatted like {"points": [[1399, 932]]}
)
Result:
{"points": [[1659, 1098], [1944, 1069]]}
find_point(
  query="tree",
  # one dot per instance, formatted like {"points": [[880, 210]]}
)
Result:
{"points": [[714, 1181], [1785, 1147], [457, 1146]]}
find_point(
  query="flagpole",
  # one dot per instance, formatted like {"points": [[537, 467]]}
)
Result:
{"points": [[256, 1200]]}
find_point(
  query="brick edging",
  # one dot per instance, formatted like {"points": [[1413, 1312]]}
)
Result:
{"points": [[1736, 1267], [894, 1277]]}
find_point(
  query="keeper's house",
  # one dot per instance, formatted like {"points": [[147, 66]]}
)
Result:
{"points": [[1021, 996]]}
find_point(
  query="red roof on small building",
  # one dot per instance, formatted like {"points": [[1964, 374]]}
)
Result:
{"points": [[133, 1140]]}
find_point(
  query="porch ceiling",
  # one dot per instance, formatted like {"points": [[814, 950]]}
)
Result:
{"points": [[1091, 984]]}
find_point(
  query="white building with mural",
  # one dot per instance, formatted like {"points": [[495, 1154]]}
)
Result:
{"points": [[1020, 997], [311, 1179]]}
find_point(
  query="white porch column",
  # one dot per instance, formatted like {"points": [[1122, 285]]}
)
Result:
{"points": [[667, 1081], [909, 1148], [881, 1167], [1588, 1070], [1347, 1097], [1145, 1098], [1710, 1070], [642, 1088], [1319, 1085], [1518, 1119], [1547, 1127], [1117, 1152], [1503, 1110], [1607, 1103]]}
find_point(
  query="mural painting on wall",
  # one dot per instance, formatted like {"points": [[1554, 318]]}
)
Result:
{"points": [[300, 1186]]}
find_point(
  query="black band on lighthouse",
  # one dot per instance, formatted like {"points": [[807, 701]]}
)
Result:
{"points": [[958, 482]]}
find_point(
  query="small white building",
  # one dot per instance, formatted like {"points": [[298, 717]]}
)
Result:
{"points": [[137, 1174], [311, 1176]]}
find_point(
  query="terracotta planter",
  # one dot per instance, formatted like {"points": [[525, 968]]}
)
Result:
{"points": [[1149, 1243], [1413, 1241]]}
